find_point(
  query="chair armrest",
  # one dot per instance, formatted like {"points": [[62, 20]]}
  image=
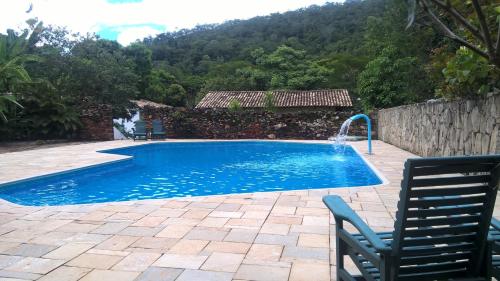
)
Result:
{"points": [[495, 223], [342, 211]]}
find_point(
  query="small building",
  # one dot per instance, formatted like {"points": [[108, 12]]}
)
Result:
{"points": [[283, 100]]}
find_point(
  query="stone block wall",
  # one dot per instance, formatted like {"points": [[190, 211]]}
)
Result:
{"points": [[249, 124], [97, 123], [441, 128]]}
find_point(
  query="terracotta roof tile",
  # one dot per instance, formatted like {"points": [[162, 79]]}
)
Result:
{"points": [[147, 103], [255, 99]]}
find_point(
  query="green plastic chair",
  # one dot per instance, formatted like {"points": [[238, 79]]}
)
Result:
{"points": [[494, 249], [441, 228], [158, 130], [140, 130]]}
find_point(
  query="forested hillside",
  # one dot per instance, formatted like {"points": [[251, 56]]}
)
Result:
{"points": [[47, 73], [315, 47]]}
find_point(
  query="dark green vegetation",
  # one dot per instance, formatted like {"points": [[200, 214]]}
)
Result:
{"points": [[363, 46]]}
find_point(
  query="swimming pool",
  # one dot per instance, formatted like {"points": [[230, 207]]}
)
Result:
{"points": [[166, 170]]}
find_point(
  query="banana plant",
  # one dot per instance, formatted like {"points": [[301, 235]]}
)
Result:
{"points": [[13, 56]]}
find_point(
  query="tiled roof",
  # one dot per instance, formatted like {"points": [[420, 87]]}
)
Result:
{"points": [[147, 103], [255, 99]]}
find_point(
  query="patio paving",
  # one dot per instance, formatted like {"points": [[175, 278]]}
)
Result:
{"points": [[258, 236]]}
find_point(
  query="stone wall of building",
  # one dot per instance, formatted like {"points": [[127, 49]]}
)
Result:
{"points": [[97, 123], [440, 128], [249, 124]]}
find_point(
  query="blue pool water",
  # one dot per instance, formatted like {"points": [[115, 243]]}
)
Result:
{"points": [[165, 170]]}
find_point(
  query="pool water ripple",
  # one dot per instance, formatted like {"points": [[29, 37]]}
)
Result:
{"points": [[165, 170]]}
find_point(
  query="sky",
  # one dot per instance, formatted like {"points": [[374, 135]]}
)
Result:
{"points": [[129, 20]]}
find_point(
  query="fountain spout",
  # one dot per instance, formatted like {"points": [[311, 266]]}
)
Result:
{"points": [[368, 122]]}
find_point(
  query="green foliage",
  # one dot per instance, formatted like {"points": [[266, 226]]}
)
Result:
{"points": [[391, 80], [291, 69], [100, 72], [44, 115], [234, 106], [468, 75], [7, 101], [269, 104], [13, 57], [164, 88]]}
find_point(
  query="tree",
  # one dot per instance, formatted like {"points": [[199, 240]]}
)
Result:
{"points": [[391, 80], [164, 88], [141, 56], [474, 24], [291, 69], [99, 72]]}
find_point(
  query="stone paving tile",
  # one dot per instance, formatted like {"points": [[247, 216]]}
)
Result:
{"points": [[100, 275], [69, 251], [299, 253], [317, 271], [228, 207], [227, 247], [314, 240], [180, 261], [140, 231], [87, 238], [117, 243], [226, 262], [263, 254], [202, 275], [18, 275], [6, 261], [290, 239], [150, 221], [66, 273], [241, 235], [174, 231], [30, 250], [159, 273], [226, 214], [96, 216], [78, 227], [206, 233], [111, 228], [95, 261], [35, 265], [53, 238], [262, 273], [279, 229], [213, 222], [136, 262], [108, 252], [188, 247], [196, 213], [155, 243], [7, 245]]}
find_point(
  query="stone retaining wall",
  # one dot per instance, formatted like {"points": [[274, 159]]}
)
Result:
{"points": [[248, 124], [440, 128], [97, 123]]}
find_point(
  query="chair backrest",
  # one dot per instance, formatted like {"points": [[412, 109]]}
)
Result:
{"points": [[140, 127], [443, 216], [157, 126]]}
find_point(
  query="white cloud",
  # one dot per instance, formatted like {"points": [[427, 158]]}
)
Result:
{"points": [[89, 15], [130, 34]]}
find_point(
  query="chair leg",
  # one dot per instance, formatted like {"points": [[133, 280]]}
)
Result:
{"points": [[340, 250]]}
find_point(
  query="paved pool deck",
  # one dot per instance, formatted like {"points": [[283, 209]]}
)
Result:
{"points": [[259, 236]]}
